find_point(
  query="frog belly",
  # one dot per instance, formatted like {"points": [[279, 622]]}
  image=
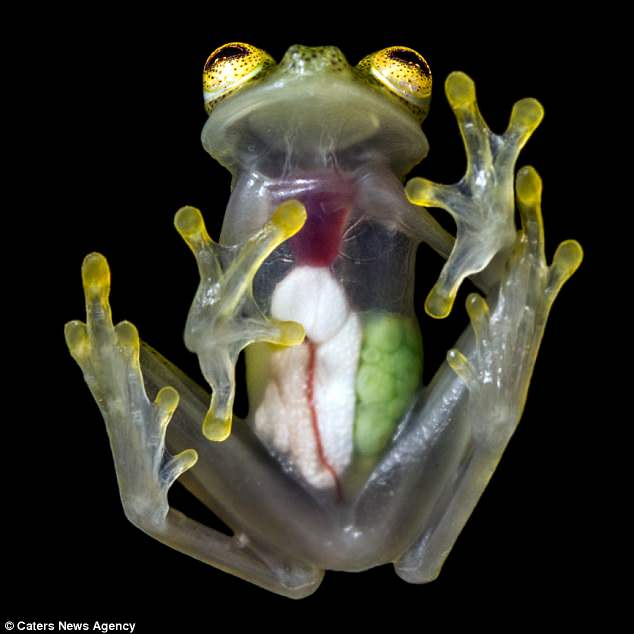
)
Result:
{"points": [[307, 407]]}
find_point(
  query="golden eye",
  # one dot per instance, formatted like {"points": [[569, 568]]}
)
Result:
{"points": [[404, 73], [229, 68]]}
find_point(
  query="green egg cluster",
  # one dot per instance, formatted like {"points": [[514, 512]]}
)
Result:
{"points": [[389, 372]]}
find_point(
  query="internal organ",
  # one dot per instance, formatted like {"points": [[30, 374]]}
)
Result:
{"points": [[307, 410], [328, 197], [318, 242]]}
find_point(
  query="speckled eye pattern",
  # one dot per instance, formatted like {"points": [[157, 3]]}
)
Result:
{"points": [[229, 68], [404, 73]]}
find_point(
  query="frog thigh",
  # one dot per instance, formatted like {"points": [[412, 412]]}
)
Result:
{"points": [[227, 479], [230, 476]]}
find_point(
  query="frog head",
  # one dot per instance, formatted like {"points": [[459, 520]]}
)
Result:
{"points": [[313, 108]]}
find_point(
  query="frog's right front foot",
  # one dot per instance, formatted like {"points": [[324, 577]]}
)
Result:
{"points": [[224, 317]]}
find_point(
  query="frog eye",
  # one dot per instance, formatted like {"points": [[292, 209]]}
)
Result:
{"points": [[404, 73], [230, 67]]}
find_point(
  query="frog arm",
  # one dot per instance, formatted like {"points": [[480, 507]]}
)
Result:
{"points": [[109, 357], [419, 222], [383, 192], [495, 366], [224, 317], [481, 203]]}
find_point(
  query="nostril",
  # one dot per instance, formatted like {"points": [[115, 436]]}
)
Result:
{"points": [[295, 53], [293, 58]]}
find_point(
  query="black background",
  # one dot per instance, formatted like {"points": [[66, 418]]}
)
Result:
{"points": [[114, 150]]}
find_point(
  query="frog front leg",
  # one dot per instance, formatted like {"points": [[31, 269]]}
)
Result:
{"points": [[481, 203], [109, 359], [224, 317], [496, 370]]}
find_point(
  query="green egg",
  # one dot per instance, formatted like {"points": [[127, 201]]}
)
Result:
{"points": [[383, 332], [403, 364], [373, 429], [397, 407], [371, 355], [374, 385]]}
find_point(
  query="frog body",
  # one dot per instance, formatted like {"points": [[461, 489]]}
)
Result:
{"points": [[345, 460]]}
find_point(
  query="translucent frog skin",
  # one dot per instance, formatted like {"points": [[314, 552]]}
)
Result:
{"points": [[346, 461]]}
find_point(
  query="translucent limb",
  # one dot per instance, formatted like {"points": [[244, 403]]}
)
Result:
{"points": [[496, 371], [508, 337], [109, 358], [224, 318], [481, 203]]}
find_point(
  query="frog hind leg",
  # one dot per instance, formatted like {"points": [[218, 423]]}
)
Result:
{"points": [[503, 344], [110, 358]]}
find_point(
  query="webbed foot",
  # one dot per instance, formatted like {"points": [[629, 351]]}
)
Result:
{"points": [[109, 358], [224, 317], [481, 203], [508, 337]]}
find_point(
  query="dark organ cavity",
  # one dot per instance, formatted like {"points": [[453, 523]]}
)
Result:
{"points": [[317, 244], [328, 199]]}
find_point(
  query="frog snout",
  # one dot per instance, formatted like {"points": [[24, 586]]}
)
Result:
{"points": [[305, 60]]}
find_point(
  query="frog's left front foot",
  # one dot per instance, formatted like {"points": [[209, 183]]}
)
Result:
{"points": [[482, 201]]}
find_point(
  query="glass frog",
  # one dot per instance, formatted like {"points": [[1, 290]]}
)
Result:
{"points": [[345, 461]]}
